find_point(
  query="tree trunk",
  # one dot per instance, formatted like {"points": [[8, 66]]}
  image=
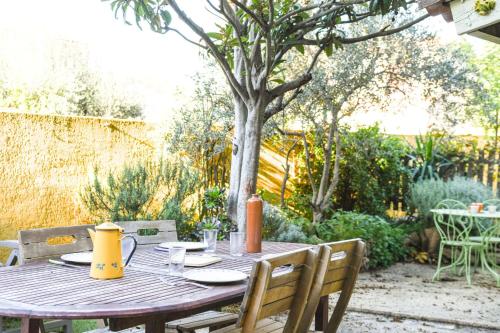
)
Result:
{"points": [[317, 215], [240, 112], [250, 162]]}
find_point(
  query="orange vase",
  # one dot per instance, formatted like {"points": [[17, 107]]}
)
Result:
{"points": [[254, 224]]}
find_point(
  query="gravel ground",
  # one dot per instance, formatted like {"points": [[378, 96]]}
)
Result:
{"points": [[402, 298]]}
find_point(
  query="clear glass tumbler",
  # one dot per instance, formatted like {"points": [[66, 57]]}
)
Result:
{"points": [[236, 243], [210, 239], [176, 262]]}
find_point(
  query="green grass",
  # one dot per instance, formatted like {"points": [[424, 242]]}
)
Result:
{"points": [[79, 326]]}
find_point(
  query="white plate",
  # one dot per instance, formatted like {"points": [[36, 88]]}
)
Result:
{"points": [[78, 258], [190, 246], [215, 275]]}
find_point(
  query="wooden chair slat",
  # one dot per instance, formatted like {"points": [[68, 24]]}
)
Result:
{"points": [[337, 274], [285, 278], [283, 291], [166, 231], [332, 287], [42, 235], [34, 246], [40, 250], [274, 308]]}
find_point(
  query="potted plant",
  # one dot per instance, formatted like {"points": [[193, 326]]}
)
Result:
{"points": [[210, 228]]}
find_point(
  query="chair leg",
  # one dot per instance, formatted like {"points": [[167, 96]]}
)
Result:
{"points": [[436, 275], [468, 253], [12, 260], [484, 259]]}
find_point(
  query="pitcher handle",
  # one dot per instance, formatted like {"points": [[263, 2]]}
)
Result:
{"points": [[133, 250]]}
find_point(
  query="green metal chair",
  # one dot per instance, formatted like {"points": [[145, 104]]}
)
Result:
{"points": [[489, 241], [489, 237], [454, 232]]}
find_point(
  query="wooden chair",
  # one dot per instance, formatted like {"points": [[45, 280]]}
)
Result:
{"points": [[49, 243], [11, 261], [343, 264], [163, 231], [277, 284]]}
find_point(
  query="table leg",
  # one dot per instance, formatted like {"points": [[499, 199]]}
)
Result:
{"points": [[321, 317], [155, 326], [29, 325]]}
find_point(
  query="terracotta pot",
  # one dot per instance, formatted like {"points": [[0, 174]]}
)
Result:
{"points": [[254, 224]]}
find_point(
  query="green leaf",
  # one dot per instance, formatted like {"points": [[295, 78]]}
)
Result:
{"points": [[167, 18], [300, 48], [215, 35], [329, 50]]}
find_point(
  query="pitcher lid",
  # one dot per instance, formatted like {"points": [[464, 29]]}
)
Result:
{"points": [[108, 226]]}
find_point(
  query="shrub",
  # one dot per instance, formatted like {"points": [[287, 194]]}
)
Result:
{"points": [[371, 171], [148, 191], [425, 195], [278, 227], [385, 242]]}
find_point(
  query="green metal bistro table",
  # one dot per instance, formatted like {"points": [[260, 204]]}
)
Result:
{"points": [[38, 291], [495, 217]]}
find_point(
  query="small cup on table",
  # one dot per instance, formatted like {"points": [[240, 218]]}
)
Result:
{"points": [[236, 243], [492, 209], [474, 208], [176, 260]]}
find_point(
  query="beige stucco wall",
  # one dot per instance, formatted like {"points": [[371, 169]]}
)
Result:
{"points": [[45, 161]]}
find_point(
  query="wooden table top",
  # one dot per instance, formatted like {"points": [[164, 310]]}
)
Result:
{"points": [[43, 290]]}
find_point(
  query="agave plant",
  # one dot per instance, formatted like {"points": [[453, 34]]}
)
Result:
{"points": [[426, 158]]}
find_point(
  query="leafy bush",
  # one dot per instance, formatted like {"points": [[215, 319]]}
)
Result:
{"points": [[385, 242], [371, 171], [278, 227], [425, 195], [148, 191]]}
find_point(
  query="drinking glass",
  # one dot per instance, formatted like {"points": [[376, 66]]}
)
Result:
{"points": [[236, 243], [210, 240], [176, 262]]}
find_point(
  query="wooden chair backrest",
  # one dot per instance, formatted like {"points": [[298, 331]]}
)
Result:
{"points": [[48, 243], [343, 263], [166, 231], [279, 283]]}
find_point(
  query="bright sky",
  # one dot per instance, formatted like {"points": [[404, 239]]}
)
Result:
{"points": [[154, 66]]}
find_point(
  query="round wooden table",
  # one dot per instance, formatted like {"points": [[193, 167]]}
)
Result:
{"points": [[145, 295]]}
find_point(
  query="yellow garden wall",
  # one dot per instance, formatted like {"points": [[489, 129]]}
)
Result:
{"points": [[45, 160]]}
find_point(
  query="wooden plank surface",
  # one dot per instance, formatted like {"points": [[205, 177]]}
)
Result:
{"points": [[42, 290]]}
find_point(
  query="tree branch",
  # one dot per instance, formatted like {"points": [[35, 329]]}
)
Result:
{"points": [[213, 48], [247, 10], [285, 87], [186, 39], [384, 32]]}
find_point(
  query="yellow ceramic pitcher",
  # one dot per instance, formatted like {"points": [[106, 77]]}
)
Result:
{"points": [[107, 261]]}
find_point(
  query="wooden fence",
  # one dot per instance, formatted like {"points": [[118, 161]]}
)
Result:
{"points": [[481, 165]]}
